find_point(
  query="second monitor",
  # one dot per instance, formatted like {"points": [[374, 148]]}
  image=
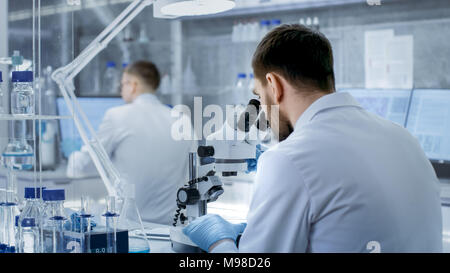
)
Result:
{"points": [[94, 108], [389, 104]]}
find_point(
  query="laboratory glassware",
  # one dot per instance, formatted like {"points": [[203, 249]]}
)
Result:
{"points": [[275, 23], [240, 89], [16, 60], [18, 154], [130, 219], [2, 217], [22, 95], [16, 232], [29, 222], [111, 79], [85, 224], [264, 28], [111, 225], [10, 211], [54, 221]]}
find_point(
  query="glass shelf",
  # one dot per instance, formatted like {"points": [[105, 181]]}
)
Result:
{"points": [[34, 117], [277, 6]]}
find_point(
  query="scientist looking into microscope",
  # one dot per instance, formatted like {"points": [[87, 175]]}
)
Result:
{"points": [[137, 137], [340, 180]]}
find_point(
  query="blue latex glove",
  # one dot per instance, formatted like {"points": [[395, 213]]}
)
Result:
{"points": [[211, 228], [252, 163]]}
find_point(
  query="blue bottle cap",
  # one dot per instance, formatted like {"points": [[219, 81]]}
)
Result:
{"points": [[265, 23], [22, 76], [110, 64], [53, 195], [16, 222], [252, 76], [124, 65], [30, 193], [1, 79], [276, 22], [242, 76], [10, 249], [28, 222]]}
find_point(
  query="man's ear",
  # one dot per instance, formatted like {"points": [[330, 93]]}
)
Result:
{"points": [[134, 83], [275, 86]]}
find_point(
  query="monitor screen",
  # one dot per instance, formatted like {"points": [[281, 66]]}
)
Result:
{"points": [[391, 104], [94, 108], [429, 121]]}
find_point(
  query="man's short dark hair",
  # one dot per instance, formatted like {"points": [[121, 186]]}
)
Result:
{"points": [[146, 71], [301, 55]]}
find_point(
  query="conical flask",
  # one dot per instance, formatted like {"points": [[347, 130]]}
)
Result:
{"points": [[130, 219]]}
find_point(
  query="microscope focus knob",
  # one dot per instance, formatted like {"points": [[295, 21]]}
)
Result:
{"points": [[188, 196], [205, 151]]}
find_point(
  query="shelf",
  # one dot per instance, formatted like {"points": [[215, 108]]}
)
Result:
{"points": [[34, 117], [59, 8], [280, 7], [99, 95]]}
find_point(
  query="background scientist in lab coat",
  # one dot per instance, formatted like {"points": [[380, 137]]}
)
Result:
{"points": [[137, 137], [341, 179]]}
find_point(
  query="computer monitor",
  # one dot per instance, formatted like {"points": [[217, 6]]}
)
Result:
{"points": [[391, 104], [429, 121], [94, 108]]}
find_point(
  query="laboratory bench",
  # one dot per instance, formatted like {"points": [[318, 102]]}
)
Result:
{"points": [[158, 236], [164, 246], [233, 204]]}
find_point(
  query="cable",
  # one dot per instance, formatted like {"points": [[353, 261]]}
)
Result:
{"points": [[197, 180], [180, 207], [177, 215]]}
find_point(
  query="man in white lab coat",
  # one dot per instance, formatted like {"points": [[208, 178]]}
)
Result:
{"points": [[341, 179], [137, 137]]}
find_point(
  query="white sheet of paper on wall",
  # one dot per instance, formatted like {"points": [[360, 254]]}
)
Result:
{"points": [[375, 57], [400, 62], [388, 60]]}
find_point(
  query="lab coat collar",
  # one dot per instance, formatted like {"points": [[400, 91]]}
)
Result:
{"points": [[326, 102], [148, 97]]}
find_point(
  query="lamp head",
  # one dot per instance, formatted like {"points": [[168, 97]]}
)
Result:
{"points": [[177, 8]]}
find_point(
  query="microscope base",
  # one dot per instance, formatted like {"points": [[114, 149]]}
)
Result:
{"points": [[181, 243]]}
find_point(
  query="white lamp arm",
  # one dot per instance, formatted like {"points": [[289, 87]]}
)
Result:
{"points": [[64, 76]]}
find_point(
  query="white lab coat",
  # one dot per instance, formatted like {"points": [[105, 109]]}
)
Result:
{"points": [[344, 181], [137, 137]]}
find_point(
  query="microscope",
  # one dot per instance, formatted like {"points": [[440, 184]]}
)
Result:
{"points": [[218, 158]]}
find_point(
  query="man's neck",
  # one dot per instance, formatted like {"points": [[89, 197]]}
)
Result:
{"points": [[298, 104], [142, 93]]}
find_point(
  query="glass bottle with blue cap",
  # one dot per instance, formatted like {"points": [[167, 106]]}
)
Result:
{"points": [[275, 23], [29, 222], [22, 96], [54, 221]]}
